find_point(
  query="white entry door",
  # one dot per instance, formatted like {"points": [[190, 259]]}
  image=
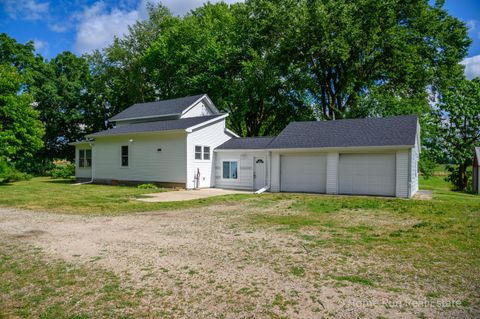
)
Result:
{"points": [[259, 172]]}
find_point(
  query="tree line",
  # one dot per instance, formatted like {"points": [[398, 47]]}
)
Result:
{"points": [[266, 62]]}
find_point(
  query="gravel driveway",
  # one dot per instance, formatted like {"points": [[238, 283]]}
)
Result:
{"points": [[206, 261]]}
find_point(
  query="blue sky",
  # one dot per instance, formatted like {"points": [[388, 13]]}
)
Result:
{"points": [[83, 25]]}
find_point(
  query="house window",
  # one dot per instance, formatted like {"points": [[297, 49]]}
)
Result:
{"points": [[198, 152], [202, 152], [230, 170], [124, 158], [206, 153], [88, 158], [84, 158]]}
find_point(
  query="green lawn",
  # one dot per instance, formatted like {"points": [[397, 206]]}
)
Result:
{"points": [[424, 248], [63, 196]]}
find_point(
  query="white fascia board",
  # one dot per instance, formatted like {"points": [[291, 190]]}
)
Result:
{"points": [[209, 102], [140, 133], [342, 149], [220, 117], [228, 131], [241, 150]]}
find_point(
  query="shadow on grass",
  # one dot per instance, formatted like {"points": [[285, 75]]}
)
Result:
{"points": [[61, 181], [6, 184]]}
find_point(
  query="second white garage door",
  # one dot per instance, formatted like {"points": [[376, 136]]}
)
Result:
{"points": [[303, 172], [367, 174]]}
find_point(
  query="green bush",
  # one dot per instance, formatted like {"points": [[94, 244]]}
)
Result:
{"points": [[9, 174], [426, 167], [147, 186], [63, 171]]}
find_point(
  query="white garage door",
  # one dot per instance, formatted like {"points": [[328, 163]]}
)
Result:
{"points": [[367, 174], [303, 172]]}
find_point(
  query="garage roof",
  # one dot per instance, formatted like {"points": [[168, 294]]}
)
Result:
{"points": [[388, 131], [246, 143], [157, 126], [159, 108]]}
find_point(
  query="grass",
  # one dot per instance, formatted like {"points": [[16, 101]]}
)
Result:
{"points": [[52, 195], [34, 286], [394, 245], [432, 240]]}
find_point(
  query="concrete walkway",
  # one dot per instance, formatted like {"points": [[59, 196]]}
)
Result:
{"points": [[182, 195]]}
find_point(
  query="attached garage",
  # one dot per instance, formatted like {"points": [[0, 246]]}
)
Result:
{"points": [[367, 174], [303, 172]]}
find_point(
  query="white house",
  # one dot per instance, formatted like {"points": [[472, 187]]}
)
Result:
{"points": [[184, 142]]}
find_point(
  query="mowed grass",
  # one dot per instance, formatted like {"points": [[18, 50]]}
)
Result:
{"points": [[426, 248], [53, 195], [34, 286], [433, 244]]}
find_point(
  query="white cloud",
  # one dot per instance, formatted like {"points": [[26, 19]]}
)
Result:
{"points": [[472, 24], [472, 67], [26, 9], [59, 27], [180, 7], [97, 25], [41, 46]]}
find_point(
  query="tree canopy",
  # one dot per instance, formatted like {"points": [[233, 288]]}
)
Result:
{"points": [[266, 62]]}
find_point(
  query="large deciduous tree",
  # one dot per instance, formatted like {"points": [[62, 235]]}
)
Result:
{"points": [[349, 50], [459, 109], [20, 128], [61, 92]]}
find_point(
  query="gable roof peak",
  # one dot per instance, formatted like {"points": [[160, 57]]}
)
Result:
{"points": [[163, 108]]}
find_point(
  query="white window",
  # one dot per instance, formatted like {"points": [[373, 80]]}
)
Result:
{"points": [[84, 158], [230, 170], [198, 152], [124, 156], [202, 152], [206, 152]]}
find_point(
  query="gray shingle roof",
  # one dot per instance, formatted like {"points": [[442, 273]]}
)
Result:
{"points": [[388, 131], [160, 108], [156, 126], [246, 143]]}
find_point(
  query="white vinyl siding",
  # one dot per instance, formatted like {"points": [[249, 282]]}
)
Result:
{"points": [[200, 109], [332, 173], [414, 158], [156, 157], [210, 136], [367, 174], [402, 173], [245, 159], [303, 172]]}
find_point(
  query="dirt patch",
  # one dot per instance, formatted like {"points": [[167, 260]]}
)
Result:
{"points": [[209, 262]]}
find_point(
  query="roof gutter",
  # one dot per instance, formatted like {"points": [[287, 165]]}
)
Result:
{"points": [[348, 148], [136, 133]]}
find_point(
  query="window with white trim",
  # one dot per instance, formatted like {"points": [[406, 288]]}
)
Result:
{"points": [[230, 169], [124, 156], [84, 158], [198, 152], [206, 153], [202, 152]]}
